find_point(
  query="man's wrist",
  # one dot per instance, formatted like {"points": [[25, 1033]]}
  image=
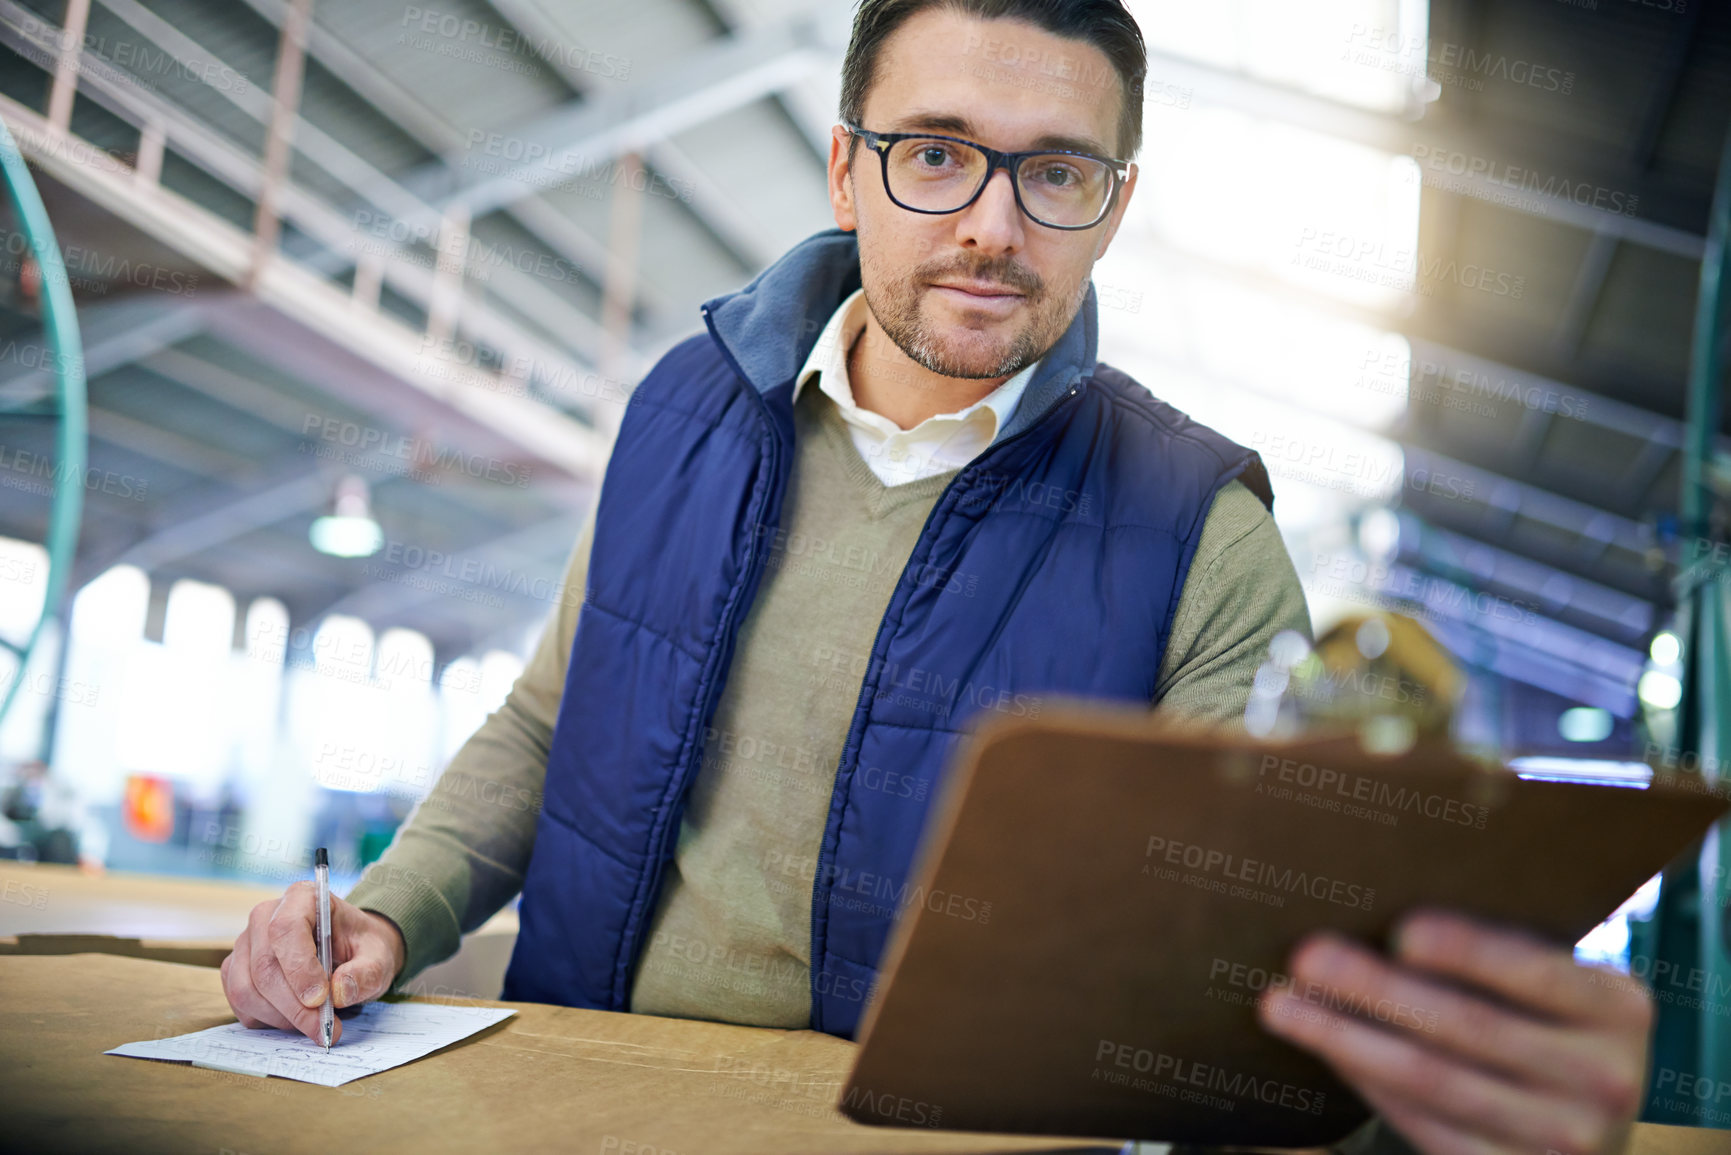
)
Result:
{"points": [[398, 942]]}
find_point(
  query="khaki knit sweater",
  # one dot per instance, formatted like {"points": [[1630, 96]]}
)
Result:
{"points": [[730, 938]]}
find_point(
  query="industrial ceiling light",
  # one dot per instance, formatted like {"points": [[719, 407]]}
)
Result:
{"points": [[1659, 690], [349, 530], [1585, 724]]}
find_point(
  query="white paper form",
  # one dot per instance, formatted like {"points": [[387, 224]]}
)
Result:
{"points": [[382, 1036]]}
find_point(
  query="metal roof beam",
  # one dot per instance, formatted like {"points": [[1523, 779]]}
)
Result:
{"points": [[114, 333], [378, 189], [177, 450], [1513, 657], [87, 168], [584, 134], [1592, 408], [409, 113], [707, 201], [1618, 616], [215, 515], [525, 549], [1585, 522], [211, 516], [226, 386], [391, 350], [728, 74], [1434, 359], [1285, 105], [1596, 265], [420, 121]]}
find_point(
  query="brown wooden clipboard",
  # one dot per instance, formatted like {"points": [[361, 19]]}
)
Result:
{"points": [[1100, 898]]}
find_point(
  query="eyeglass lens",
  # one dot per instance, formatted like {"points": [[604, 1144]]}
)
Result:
{"points": [[941, 175]]}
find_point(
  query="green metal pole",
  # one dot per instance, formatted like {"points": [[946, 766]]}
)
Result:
{"points": [[1707, 687], [60, 322], [1691, 1037], [1704, 406]]}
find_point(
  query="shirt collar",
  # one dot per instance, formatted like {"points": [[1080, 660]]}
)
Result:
{"points": [[828, 360]]}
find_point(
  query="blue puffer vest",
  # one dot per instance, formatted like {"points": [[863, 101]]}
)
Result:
{"points": [[1050, 566]]}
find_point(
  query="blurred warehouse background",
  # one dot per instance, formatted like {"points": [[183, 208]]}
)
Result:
{"points": [[364, 286]]}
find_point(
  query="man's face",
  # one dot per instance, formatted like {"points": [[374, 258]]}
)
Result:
{"points": [[995, 82]]}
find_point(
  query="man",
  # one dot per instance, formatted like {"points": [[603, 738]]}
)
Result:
{"points": [[841, 523]]}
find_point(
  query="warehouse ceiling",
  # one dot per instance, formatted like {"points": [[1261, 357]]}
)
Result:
{"points": [[498, 132], [1597, 175], [220, 425]]}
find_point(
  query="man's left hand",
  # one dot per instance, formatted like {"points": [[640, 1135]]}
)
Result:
{"points": [[1472, 1038]]}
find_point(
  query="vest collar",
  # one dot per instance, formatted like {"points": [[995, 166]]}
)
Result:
{"points": [[770, 326]]}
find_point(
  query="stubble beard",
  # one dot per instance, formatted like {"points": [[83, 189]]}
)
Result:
{"points": [[902, 320]]}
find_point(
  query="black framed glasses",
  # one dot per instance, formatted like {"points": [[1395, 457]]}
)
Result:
{"points": [[926, 173]]}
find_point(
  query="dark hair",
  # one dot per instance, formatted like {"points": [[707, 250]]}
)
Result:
{"points": [[1103, 23]]}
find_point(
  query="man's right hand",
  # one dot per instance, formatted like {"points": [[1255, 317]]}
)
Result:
{"points": [[273, 979]]}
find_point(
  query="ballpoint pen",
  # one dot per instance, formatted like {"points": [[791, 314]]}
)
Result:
{"points": [[322, 878]]}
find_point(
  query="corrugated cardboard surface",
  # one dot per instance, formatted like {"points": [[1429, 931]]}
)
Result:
{"points": [[195, 952], [547, 1079], [44, 898], [52, 909], [1654, 1139]]}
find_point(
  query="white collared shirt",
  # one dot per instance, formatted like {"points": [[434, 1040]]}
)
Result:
{"points": [[897, 456]]}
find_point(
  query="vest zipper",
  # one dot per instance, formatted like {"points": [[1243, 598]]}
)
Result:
{"points": [[825, 857]]}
